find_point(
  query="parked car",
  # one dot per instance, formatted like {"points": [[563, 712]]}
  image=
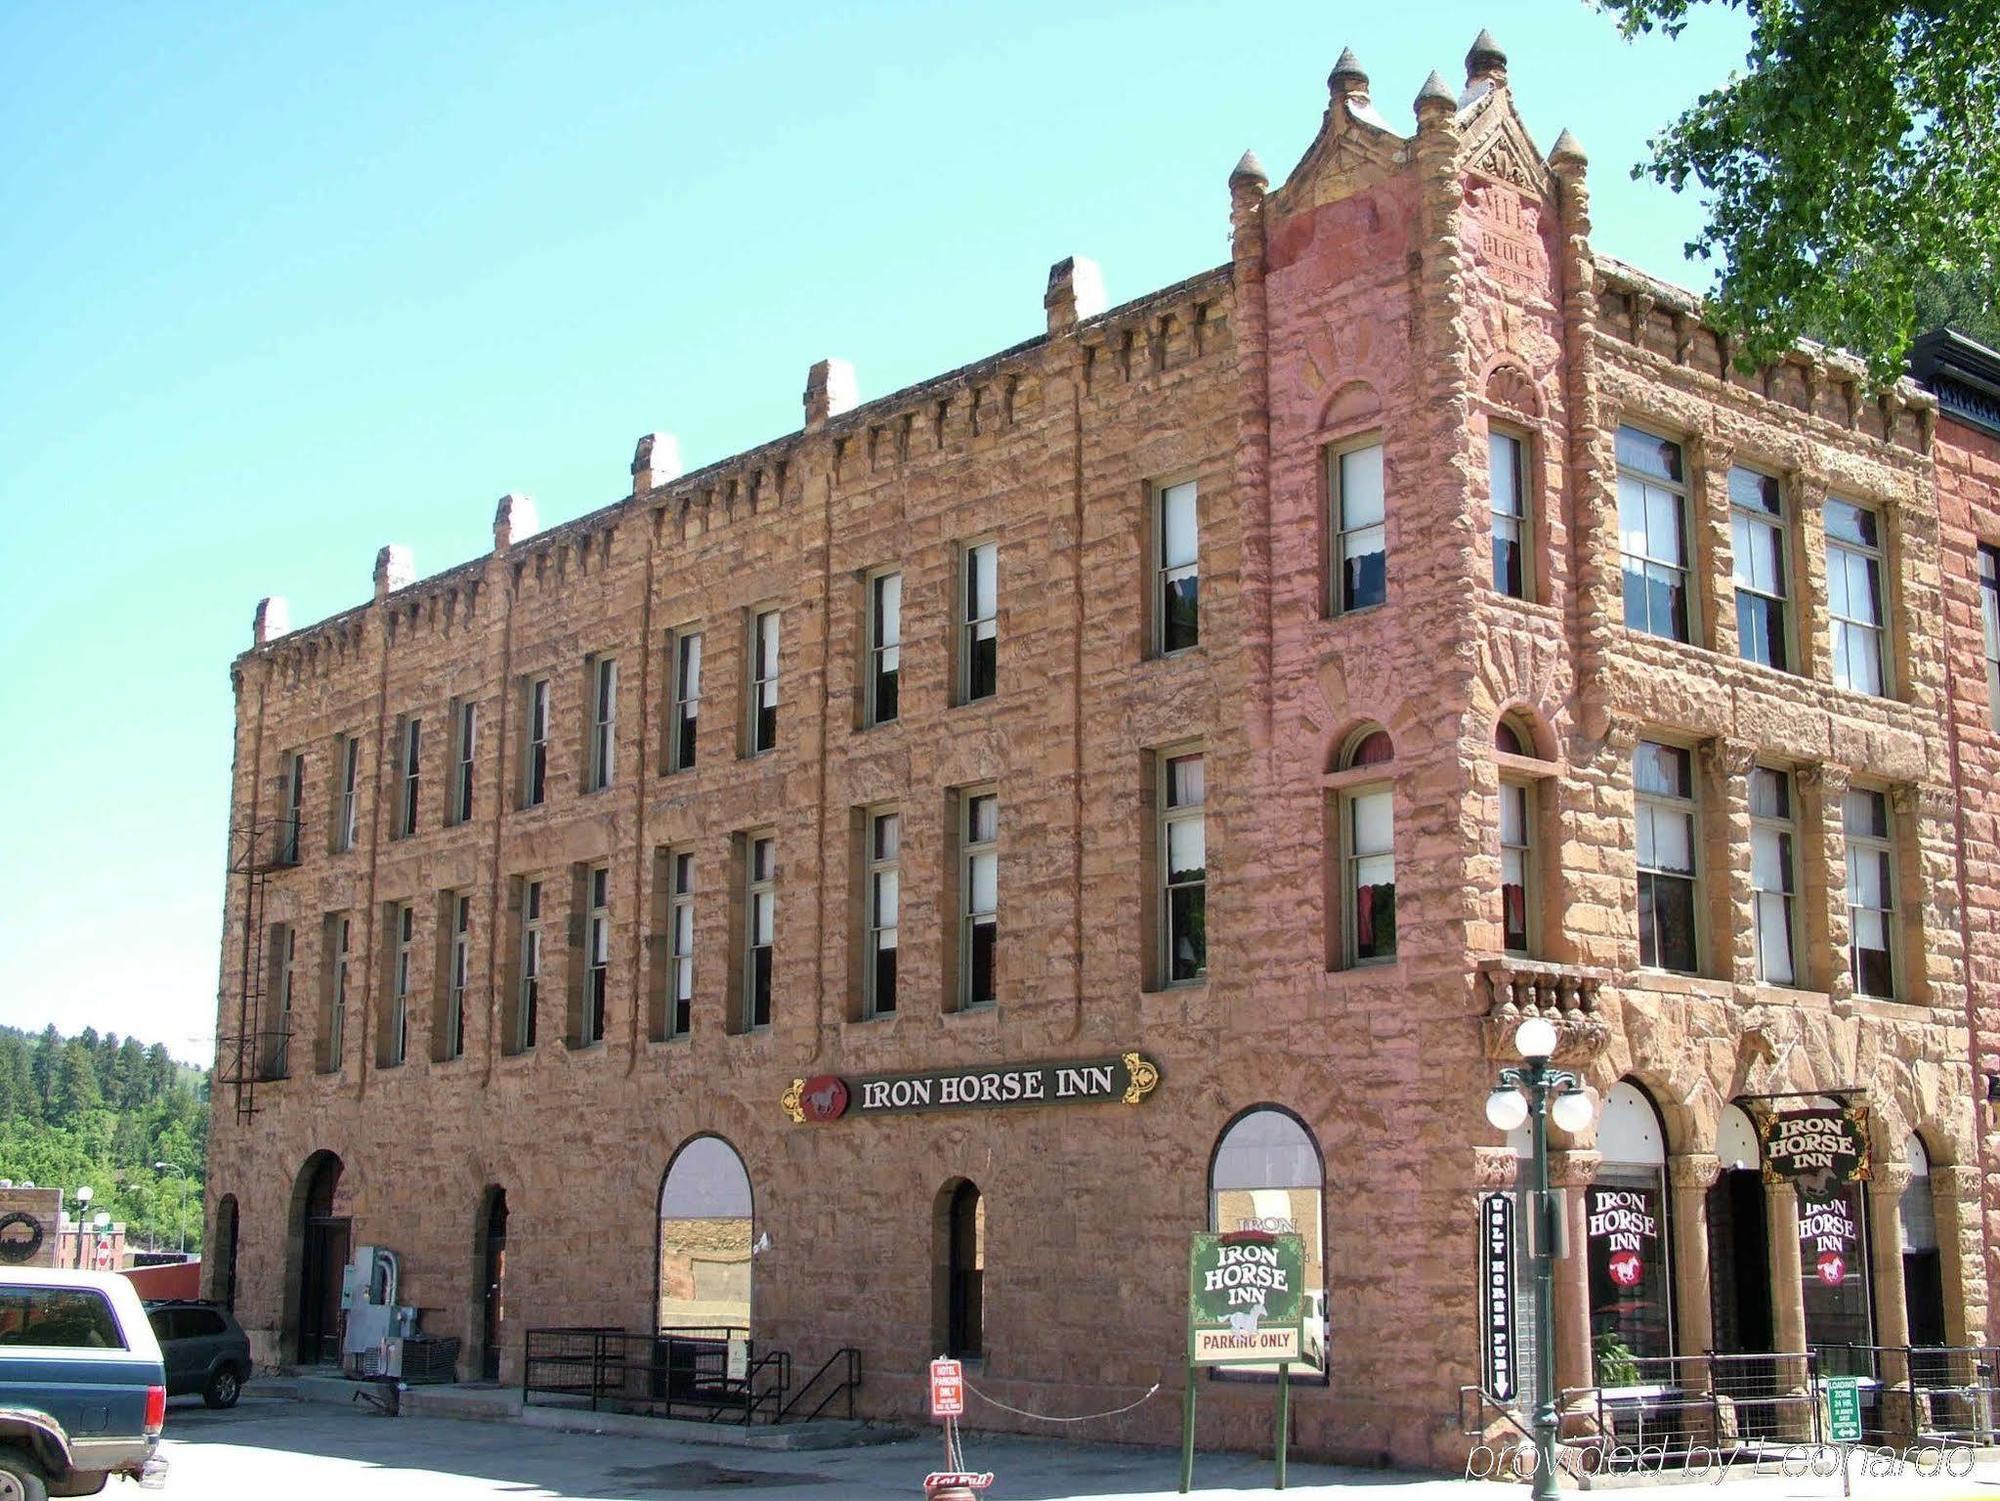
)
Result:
{"points": [[205, 1349], [83, 1391]]}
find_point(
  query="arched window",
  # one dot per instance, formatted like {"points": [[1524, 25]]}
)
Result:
{"points": [[1923, 1261], [960, 1265], [1838, 1287], [491, 1261], [705, 1240], [1267, 1175], [1365, 841], [1739, 1254], [222, 1256], [1519, 824], [1629, 1252]]}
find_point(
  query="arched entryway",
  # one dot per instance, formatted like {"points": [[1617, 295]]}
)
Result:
{"points": [[1923, 1259], [1739, 1242], [490, 1278], [706, 1240], [220, 1253], [958, 1283], [321, 1238], [1629, 1247]]}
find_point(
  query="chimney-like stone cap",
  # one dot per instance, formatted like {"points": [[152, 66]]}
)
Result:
{"points": [[830, 390], [1567, 149], [1347, 76], [1075, 292], [394, 569], [273, 619], [514, 520], [1485, 59], [1434, 92], [656, 460], [1249, 170]]}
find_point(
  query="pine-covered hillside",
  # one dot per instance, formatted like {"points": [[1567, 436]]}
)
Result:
{"points": [[103, 1110]]}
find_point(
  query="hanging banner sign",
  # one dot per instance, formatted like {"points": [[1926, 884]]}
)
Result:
{"points": [[1128, 1078], [1246, 1298], [1817, 1151], [1496, 1291]]}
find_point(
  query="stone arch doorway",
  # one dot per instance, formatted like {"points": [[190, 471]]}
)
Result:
{"points": [[1739, 1242], [706, 1244], [222, 1256], [490, 1278], [958, 1294], [320, 1238]]}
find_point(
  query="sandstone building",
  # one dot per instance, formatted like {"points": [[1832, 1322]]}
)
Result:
{"points": [[1249, 701]]}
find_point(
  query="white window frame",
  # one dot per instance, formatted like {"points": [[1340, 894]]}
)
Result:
{"points": [[685, 722], [593, 1013], [1746, 520], [284, 945], [602, 769], [1353, 860], [680, 943], [347, 831], [535, 744], [1522, 518], [465, 732], [1681, 497], [295, 803], [1655, 805], [528, 994], [1849, 632], [1989, 620], [460, 975], [885, 646], [882, 877], [336, 1025], [977, 852], [766, 662], [760, 920], [1520, 853], [1881, 847], [409, 766], [1348, 534], [1167, 571], [1173, 815], [404, 918], [1784, 829], [979, 615]]}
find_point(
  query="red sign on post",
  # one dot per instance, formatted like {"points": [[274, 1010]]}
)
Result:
{"points": [[947, 1389]]}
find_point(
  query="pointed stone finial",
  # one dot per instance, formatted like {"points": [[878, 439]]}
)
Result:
{"points": [[1567, 150], [1249, 170], [1435, 94], [1485, 61], [273, 619], [514, 520], [394, 569], [1347, 78], [830, 390], [1076, 292], [656, 460]]}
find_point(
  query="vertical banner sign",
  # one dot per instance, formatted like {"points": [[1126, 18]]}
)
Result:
{"points": [[1496, 1292], [1246, 1298]]}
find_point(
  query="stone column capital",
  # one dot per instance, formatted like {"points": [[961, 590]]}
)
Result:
{"points": [[1574, 1168], [1728, 757], [1960, 1183], [1889, 1178], [1697, 1170], [1825, 780]]}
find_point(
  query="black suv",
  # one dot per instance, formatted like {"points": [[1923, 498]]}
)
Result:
{"points": [[205, 1350]]}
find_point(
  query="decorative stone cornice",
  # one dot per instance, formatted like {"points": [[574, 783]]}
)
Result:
{"points": [[1563, 994]]}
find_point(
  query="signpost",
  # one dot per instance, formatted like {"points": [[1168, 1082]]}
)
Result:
{"points": [[947, 1389], [1246, 1307], [1843, 1422]]}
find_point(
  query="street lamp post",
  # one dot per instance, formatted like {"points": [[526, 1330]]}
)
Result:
{"points": [[180, 1219], [83, 1197], [1531, 1094]]}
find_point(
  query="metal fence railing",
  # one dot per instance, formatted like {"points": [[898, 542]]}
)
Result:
{"points": [[1922, 1392], [1720, 1401], [671, 1373]]}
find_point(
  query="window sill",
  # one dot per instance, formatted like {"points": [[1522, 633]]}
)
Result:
{"points": [[1675, 982], [965, 1015], [990, 699], [585, 1047]]}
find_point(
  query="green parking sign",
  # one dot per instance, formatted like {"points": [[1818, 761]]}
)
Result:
{"points": [[1246, 1298], [1843, 1409]]}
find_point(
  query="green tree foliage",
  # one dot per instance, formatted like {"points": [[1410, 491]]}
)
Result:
{"points": [[1852, 169], [102, 1111]]}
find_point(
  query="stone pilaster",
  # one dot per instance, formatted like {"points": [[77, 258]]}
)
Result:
{"points": [[1690, 1176], [1823, 872], [1788, 1310], [1572, 1172], [1730, 950], [1714, 543]]}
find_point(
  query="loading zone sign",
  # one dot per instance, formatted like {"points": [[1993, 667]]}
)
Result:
{"points": [[1246, 1298]]}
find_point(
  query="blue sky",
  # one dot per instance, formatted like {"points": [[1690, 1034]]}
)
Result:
{"points": [[280, 284]]}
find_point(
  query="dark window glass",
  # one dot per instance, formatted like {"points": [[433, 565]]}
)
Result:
{"points": [[58, 1318]]}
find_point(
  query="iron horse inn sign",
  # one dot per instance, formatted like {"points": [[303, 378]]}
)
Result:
{"points": [[1128, 1078], [1818, 1151]]}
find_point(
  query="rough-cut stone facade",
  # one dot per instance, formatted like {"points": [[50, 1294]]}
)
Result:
{"points": [[1412, 288]]}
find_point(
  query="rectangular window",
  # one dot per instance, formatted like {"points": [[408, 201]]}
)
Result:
{"points": [[1368, 832], [1854, 595], [1652, 528], [1663, 786], [884, 899], [763, 706], [979, 899], [885, 645], [295, 804], [409, 763], [979, 623], [687, 701], [1507, 477], [1989, 619], [1773, 881], [1184, 867], [1871, 893], [761, 917], [458, 975], [58, 1318], [597, 957], [1177, 569], [528, 999], [347, 813], [602, 764], [465, 742], [1757, 530], [535, 763], [278, 1036], [402, 966], [333, 1042], [1360, 531], [680, 929], [1517, 857]]}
